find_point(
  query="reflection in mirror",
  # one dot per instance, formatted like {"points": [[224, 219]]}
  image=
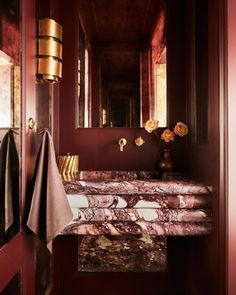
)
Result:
{"points": [[10, 117], [10, 63], [120, 77], [121, 63]]}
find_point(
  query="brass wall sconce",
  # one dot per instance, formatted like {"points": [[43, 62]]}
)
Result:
{"points": [[49, 51]]}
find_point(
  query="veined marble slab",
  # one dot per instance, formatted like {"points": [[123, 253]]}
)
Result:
{"points": [[122, 254], [78, 200], [117, 175], [161, 187], [139, 228], [142, 214]]}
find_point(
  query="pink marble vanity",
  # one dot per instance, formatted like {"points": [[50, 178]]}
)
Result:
{"points": [[121, 205], [135, 203]]}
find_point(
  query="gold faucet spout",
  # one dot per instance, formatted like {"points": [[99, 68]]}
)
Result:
{"points": [[122, 142]]}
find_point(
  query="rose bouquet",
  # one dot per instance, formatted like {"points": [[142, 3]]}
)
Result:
{"points": [[167, 135], [165, 161]]}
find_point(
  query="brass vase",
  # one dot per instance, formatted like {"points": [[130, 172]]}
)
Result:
{"points": [[165, 161]]}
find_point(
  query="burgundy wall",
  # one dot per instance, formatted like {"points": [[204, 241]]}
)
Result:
{"points": [[232, 143], [202, 259], [176, 58], [207, 162], [98, 148], [18, 254]]}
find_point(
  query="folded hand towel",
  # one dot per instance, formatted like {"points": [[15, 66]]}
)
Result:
{"points": [[50, 211], [9, 186]]}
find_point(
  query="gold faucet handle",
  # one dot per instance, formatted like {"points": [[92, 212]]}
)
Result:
{"points": [[122, 142], [139, 141]]}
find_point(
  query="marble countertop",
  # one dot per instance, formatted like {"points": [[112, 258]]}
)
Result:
{"points": [[150, 187], [122, 214], [137, 203]]}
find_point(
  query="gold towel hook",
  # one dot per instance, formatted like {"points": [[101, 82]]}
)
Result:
{"points": [[42, 131], [15, 132], [32, 125]]}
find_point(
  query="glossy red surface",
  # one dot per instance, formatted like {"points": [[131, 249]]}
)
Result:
{"points": [[232, 144], [98, 149]]}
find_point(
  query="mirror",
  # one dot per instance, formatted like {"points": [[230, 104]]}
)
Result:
{"points": [[10, 72], [10, 117], [121, 63], [120, 84]]}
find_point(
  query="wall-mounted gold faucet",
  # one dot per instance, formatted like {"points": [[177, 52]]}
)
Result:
{"points": [[122, 142]]}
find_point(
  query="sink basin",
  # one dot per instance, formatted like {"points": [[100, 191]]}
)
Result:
{"points": [[131, 183], [118, 175]]}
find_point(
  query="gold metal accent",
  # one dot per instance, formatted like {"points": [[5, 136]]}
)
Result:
{"points": [[68, 163], [50, 47], [104, 117], [139, 141], [32, 125], [122, 142], [49, 68], [49, 58], [68, 176], [49, 27]]}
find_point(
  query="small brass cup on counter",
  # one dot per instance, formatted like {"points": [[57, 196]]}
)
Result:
{"points": [[68, 163]]}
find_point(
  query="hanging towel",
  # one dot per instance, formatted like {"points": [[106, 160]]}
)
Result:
{"points": [[50, 212], [9, 186]]}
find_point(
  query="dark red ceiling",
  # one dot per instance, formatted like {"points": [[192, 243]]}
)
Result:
{"points": [[127, 24], [120, 65]]}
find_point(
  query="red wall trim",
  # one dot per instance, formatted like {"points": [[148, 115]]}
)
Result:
{"points": [[231, 147], [16, 255]]}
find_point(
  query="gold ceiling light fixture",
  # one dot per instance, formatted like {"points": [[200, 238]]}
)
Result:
{"points": [[49, 51]]}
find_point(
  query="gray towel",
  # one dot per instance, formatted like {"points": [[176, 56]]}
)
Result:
{"points": [[9, 187], [50, 211]]}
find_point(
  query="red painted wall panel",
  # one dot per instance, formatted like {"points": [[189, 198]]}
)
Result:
{"points": [[18, 254], [98, 148], [206, 162], [231, 150]]}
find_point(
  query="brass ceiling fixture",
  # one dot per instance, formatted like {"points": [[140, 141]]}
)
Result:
{"points": [[49, 49]]}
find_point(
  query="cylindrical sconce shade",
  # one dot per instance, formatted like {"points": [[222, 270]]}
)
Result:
{"points": [[49, 68], [49, 27], [49, 47], [49, 62]]}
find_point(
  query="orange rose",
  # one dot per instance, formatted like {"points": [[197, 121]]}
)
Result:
{"points": [[151, 125], [167, 135], [181, 129]]}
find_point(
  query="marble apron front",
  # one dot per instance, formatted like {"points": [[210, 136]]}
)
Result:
{"points": [[124, 218]]}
